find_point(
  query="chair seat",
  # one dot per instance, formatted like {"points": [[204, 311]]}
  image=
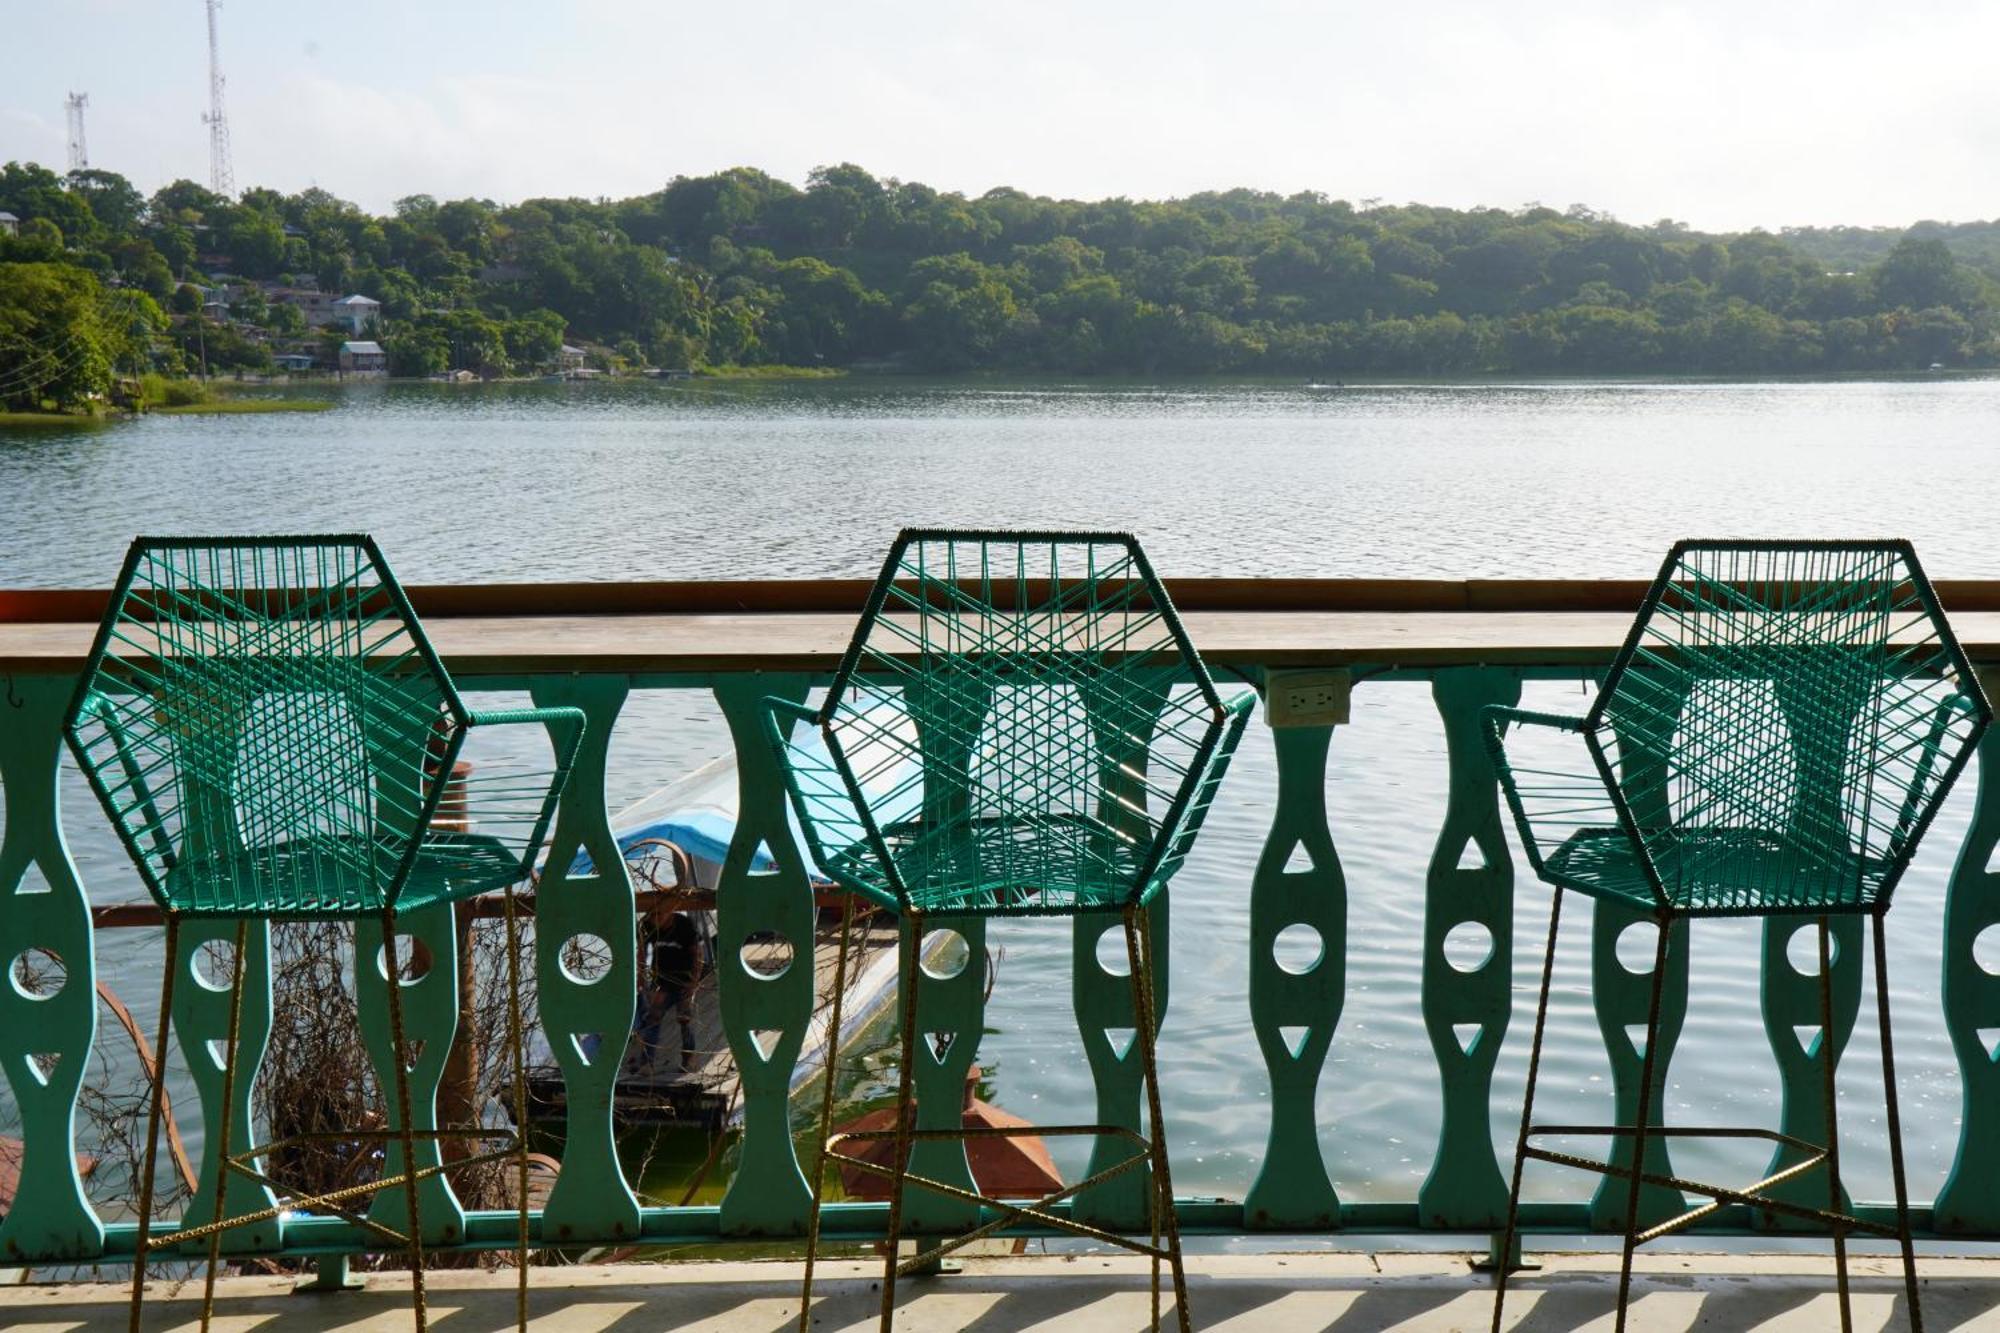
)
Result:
{"points": [[322, 878], [1010, 867], [1730, 871]]}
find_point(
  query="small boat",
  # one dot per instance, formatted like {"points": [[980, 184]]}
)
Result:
{"points": [[674, 842]]}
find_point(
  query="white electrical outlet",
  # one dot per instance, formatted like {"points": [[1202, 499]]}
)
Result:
{"points": [[1306, 698]]}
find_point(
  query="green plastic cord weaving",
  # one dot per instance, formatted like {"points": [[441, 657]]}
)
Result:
{"points": [[1020, 726], [270, 733]]}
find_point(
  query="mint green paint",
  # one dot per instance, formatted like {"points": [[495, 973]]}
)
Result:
{"points": [[590, 1200], [1122, 729], [1968, 1202], [1465, 1187], [1292, 1189], [1622, 995], [1791, 1001], [201, 1023], [51, 1218], [768, 1196], [430, 1022], [951, 1012], [947, 709]]}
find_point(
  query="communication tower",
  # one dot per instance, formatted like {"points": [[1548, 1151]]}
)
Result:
{"points": [[221, 175], [79, 155]]}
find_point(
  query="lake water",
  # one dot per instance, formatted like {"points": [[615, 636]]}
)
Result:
{"points": [[655, 481]]}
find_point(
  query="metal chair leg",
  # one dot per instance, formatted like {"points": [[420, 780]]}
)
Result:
{"points": [[400, 1060], [155, 1102], [1506, 1259], [826, 1112], [1832, 1123], [1642, 1122], [219, 1154], [517, 1035], [1895, 1129], [1139, 950], [909, 947]]}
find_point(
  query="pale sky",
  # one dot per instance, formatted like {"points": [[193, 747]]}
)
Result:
{"points": [[1723, 114]]}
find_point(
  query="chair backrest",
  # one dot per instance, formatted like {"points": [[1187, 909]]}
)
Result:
{"points": [[1787, 718], [265, 724], [1020, 723]]}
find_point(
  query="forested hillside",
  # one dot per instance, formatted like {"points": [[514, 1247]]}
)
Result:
{"points": [[740, 268]]}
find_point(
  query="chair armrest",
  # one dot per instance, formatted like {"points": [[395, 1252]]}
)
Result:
{"points": [[1236, 712], [1554, 792], [519, 805], [839, 835]]}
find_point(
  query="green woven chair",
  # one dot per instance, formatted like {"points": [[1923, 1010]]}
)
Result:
{"points": [[1020, 726], [273, 738], [1773, 739]]}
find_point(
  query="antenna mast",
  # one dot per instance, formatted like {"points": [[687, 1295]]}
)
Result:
{"points": [[79, 155], [221, 176]]}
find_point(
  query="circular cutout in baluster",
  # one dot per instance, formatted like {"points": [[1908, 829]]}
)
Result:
{"points": [[1637, 945], [213, 964], [766, 955], [1986, 950], [944, 954], [413, 960], [1802, 950], [1112, 955], [37, 974], [1298, 949], [1468, 946], [584, 958]]}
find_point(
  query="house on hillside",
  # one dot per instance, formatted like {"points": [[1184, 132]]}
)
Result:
{"points": [[356, 312], [363, 358], [10, 224], [313, 304], [571, 358]]}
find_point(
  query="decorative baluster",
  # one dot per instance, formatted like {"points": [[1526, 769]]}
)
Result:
{"points": [[430, 1022], [201, 1023], [1791, 995], [1970, 1199], [764, 1015], [1295, 1010], [951, 995], [587, 1018], [1621, 994], [1123, 727], [1466, 1009], [951, 1013], [47, 1029]]}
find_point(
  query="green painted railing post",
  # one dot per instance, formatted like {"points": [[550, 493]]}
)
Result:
{"points": [[587, 1018], [951, 1012], [1620, 994], [1791, 995], [46, 1033], [1466, 1008], [201, 1023], [1296, 1007], [1122, 727], [1970, 1199], [764, 1016], [430, 1021], [951, 1005]]}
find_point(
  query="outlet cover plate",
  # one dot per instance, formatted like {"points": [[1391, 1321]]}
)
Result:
{"points": [[1307, 698]]}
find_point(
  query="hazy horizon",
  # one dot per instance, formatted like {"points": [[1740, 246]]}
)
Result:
{"points": [[1722, 119]]}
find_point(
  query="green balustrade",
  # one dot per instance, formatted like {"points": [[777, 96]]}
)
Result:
{"points": [[1296, 1006], [47, 1043], [48, 1020]]}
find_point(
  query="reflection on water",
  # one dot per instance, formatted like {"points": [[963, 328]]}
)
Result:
{"points": [[641, 481]]}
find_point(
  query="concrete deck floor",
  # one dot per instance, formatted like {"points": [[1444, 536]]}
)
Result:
{"points": [[1346, 1293]]}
